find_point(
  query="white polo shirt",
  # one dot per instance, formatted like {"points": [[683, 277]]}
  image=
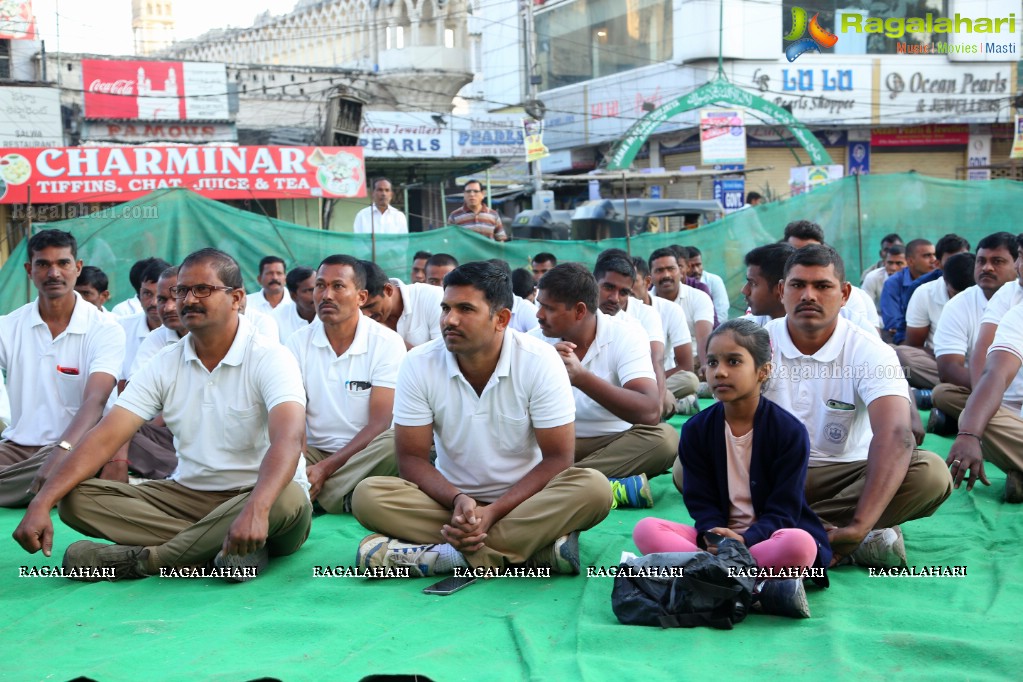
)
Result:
{"points": [[158, 339], [43, 398], [370, 219], [5, 405], [925, 306], [861, 302], [873, 283], [420, 315], [264, 323], [136, 329], [1009, 338], [337, 387], [127, 307], [523, 315], [617, 355], [854, 368], [287, 319], [676, 328], [219, 418], [718, 294], [957, 334], [257, 302], [646, 317], [1008, 296], [485, 443], [697, 306]]}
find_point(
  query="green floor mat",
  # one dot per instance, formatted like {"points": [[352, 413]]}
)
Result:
{"points": [[291, 625]]}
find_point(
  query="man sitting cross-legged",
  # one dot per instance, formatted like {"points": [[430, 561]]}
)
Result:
{"points": [[498, 407], [234, 401], [349, 368], [617, 405], [844, 384]]}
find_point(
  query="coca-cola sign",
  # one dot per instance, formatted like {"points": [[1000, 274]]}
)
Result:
{"points": [[154, 91], [118, 87]]}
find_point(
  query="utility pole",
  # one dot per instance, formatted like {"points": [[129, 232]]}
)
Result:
{"points": [[534, 79]]}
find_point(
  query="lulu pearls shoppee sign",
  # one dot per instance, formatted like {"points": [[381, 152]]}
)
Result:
{"points": [[86, 174]]}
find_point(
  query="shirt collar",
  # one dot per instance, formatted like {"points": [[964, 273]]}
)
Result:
{"points": [[503, 368], [80, 319], [360, 343], [235, 353], [826, 353]]}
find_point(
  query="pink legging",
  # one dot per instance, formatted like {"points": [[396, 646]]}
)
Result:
{"points": [[786, 548]]}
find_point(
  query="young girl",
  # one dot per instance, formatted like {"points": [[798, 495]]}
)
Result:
{"points": [[743, 466]]}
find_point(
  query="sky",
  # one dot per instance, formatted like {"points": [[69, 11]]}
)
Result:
{"points": [[104, 26]]}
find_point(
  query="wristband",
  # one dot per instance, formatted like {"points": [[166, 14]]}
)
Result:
{"points": [[967, 433], [455, 498]]}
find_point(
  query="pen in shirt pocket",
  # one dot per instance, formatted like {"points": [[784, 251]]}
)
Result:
{"points": [[70, 371]]}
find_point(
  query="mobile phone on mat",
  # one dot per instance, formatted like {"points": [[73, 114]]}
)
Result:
{"points": [[449, 585]]}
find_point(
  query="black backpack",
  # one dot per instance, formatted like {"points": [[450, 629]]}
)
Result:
{"points": [[650, 591]]}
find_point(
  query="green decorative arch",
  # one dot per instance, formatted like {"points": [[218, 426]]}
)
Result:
{"points": [[718, 92]]}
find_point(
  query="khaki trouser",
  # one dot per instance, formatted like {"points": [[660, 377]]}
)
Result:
{"points": [[575, 499], [151, 452], [919, 365], [834, 490], [642, 449], [1002, 435], [19, 465], [677, 386], [682, 383], [179, 526], [378, 458]]}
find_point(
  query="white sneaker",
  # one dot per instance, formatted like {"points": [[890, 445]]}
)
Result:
{"points": [[687, 406], [380, 551], [882, 548]]}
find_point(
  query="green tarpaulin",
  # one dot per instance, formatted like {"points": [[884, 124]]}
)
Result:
{"points": [[855, 213]]}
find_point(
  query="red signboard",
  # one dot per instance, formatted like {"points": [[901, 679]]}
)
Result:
{"points": [[917, 136], [83, 174], [154, 91], [16, 20]]}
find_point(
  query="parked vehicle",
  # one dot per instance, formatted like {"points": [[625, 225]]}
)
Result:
{"points": [[542, 225], [605, 218]]}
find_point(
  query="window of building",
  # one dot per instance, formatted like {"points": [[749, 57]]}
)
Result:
{"points": [[5, 59], [395, 38], [833, 13], [588, 39], [449, 38]]}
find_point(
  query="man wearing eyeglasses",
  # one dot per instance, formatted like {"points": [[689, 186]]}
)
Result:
{"points": [[235, 403], [477, 216]]}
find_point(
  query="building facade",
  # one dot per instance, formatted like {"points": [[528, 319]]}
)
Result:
{"points": [[931, 101]]}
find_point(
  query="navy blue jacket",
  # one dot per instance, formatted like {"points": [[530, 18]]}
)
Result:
{"points": [[781, 450]]}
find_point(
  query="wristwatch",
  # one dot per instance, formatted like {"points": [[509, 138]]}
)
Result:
{"points": [[64, 445]]}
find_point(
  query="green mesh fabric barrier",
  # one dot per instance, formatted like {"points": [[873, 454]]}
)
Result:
{"points": [[855, 213]]}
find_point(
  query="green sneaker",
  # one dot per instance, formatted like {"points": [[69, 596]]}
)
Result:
{"points": [[633, 491]]}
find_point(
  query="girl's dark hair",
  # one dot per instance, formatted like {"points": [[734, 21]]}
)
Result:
{"points": [[750, 336]]}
